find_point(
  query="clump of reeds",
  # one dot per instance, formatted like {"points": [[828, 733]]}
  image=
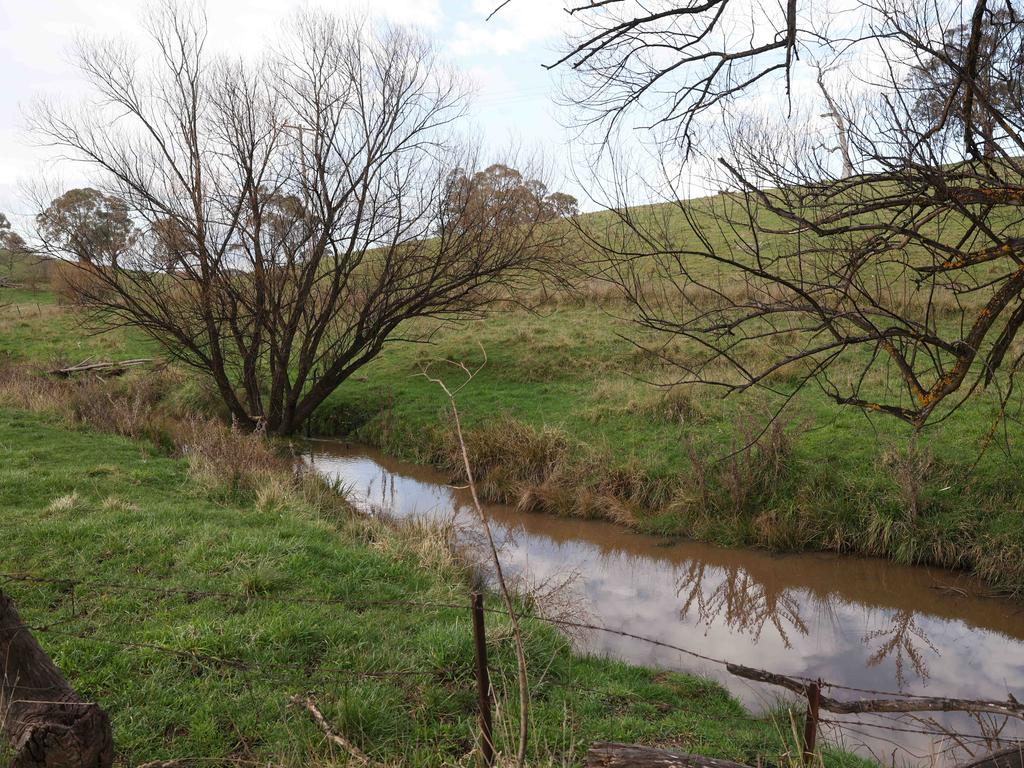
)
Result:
{"points": [[507, 456]]}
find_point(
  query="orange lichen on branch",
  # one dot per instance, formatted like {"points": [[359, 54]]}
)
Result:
{"points": [[1008, 195], [906, 414], [1014, 245], [906, 372]]}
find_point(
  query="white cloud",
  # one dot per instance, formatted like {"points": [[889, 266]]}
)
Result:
{"points": [[421, 13], [519, 25], [36, 37]]}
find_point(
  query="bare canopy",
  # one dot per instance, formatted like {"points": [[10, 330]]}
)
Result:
{"points": [[890, 271], [295, 214]]}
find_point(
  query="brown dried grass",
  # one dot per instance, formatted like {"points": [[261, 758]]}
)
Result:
{"points": [[139, 406]]}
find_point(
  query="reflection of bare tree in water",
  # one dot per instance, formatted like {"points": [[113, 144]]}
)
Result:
{"points": [[986, 733], [744, 603], [944, 741], [904, 641]]}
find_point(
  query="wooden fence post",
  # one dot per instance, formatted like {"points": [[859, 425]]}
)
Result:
{"points": [[483, 682], [811, 722], [45, 721]]}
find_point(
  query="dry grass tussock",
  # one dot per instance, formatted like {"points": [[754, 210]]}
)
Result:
{"points": [[431, 545], [13, 315], [63, 504], [221, 458], [507, 455], [70, 279], [140, 406], [539, 470], [671, 404], [742, 483], [910, 468]]}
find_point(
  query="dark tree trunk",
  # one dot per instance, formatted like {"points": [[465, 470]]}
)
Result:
{"points": [[46, 723]]}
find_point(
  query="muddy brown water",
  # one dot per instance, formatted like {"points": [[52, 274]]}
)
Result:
{"points": [[853, 621]]}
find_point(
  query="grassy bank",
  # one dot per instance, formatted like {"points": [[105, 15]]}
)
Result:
{"points": [[564, 418], [309, 597]]}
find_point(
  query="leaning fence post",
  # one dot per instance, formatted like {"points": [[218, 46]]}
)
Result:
{"points": [[45, 721], [811, 722], [483, 682]]}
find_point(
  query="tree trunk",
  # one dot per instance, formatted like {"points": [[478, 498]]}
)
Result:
{"points": [[46, 723], [842, 132]]}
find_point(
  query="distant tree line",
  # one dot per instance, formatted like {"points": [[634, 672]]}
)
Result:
{"points": [[95, 228], [502, 195]]}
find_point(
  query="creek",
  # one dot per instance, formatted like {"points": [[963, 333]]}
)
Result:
{"points": [[860, 622]]}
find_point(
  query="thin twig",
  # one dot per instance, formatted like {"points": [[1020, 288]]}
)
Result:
{"points": [[524, 692], [329, 731]]}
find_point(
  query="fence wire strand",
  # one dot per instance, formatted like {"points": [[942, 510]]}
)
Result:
{"points": [[344, 602], [245, 665]]}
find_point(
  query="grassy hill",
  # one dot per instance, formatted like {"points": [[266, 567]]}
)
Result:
{"points": [[566, 417]]}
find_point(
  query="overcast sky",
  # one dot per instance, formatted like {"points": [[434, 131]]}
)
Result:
{"points": [[503, 56]]}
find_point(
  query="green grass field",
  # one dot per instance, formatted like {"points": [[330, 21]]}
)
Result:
{"points": [[567, 417], [191, 676], [188, 676]]}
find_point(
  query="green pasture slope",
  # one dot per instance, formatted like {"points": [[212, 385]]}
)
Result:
{"points": [[566, 418], [189, 676]]}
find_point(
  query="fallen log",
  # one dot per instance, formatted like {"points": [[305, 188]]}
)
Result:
{"points": [[609, 754], [1010, 708], [45, 721], [109, 368]]}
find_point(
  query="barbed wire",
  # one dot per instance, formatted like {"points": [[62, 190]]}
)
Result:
{"points": [[197, 593], [345, 602], [920, 731], [231, 663]]}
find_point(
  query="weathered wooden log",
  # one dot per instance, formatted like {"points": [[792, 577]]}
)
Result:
{"points": [[608, 754], [109, 368], [1011, 707], [46, 722]]}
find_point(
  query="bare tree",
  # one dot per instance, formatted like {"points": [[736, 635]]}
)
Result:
{"points": [[898, 288], [667, 62], [294, 214]]}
